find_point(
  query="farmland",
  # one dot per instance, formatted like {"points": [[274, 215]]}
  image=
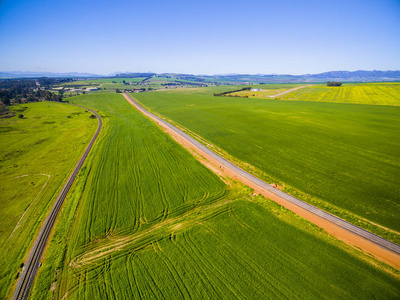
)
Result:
{"points": [[147, 82], [361, 93], [340, 157], [37, 152], [146, 220]]}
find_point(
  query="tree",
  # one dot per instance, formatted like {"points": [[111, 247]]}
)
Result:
{"points": [[333, 83], [6, 100], [117, 91], [21, 116]]}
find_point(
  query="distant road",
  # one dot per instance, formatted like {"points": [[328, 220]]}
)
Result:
{"points": [[32, 264], [288, 91], [378, 246]]}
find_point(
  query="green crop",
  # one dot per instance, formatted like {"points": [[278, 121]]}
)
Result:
{"points": [[344, 156], [146, 220]]}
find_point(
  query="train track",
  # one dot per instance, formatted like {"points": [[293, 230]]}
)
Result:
{"points": [[377, 240], [32, 264]]}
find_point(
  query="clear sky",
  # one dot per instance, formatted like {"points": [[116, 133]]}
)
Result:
{"points": [[199, 37]]}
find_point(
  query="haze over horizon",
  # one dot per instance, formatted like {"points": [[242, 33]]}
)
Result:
{"points": [[207, 37]]}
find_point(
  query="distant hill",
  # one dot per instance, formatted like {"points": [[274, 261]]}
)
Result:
{"points": [[18, 74], [357, 75]]}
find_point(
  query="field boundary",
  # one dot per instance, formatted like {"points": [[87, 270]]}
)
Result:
{"points": [[383, 249], [33, 262]]}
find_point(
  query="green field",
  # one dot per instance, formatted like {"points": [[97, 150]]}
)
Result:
{"points": [[111, 84], [342, 157], [147, 220], [361, 93], [37, 153]]}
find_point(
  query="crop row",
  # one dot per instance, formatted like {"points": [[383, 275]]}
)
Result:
{"points": [[343, 156], [146, 220]]}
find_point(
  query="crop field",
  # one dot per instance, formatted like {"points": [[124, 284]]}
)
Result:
{"points": [[155, 82], [361, 93], [343, 158], [146, 220], [267, 91], [37, 153], [104, 83]]}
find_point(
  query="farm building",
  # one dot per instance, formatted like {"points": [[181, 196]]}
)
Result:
{"points": [[256, 90]]}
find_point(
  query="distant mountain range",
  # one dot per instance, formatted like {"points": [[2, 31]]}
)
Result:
{"points": [[357, 75], [363, 76], [18, 74]]}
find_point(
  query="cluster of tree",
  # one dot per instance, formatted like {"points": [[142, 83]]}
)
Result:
{"points": [[147, 78], [20, 83], [43, 82], [18, 94], [228, 94], [333, 83]]}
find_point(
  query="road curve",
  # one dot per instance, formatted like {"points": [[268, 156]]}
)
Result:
{"points": [[392, 250], [32, 264]]}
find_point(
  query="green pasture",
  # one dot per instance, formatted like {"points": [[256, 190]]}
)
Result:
{"points": [[37, 153], [341, 157], [146, 220], [105, 84], [117, 83]]}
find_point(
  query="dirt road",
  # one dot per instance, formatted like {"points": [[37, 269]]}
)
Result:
{"points": [[288, 91]]}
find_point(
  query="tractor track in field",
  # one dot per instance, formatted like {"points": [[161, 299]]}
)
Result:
{"points": [[381, 248], [32, 264]]}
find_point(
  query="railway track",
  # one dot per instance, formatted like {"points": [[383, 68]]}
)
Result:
{"points": [[32, 264], [377, 240]]}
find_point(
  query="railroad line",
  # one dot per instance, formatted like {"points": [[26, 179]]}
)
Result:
{"points": [[32, 264], [349, 227]]}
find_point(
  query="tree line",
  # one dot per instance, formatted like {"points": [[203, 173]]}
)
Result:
{"points": [[227, 94], [333, 83], [18, 94]]}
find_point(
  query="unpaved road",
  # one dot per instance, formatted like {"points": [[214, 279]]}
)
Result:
{"points": [[381, 248], [32, 264], [288, 91]]}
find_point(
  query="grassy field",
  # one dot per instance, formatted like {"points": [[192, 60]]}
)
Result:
{"points": [[111, 84], [37, 153], [361, 93], [342, 157], [146, 220]]}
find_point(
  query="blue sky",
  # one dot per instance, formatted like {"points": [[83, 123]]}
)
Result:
{"points": [[199, 37]]}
